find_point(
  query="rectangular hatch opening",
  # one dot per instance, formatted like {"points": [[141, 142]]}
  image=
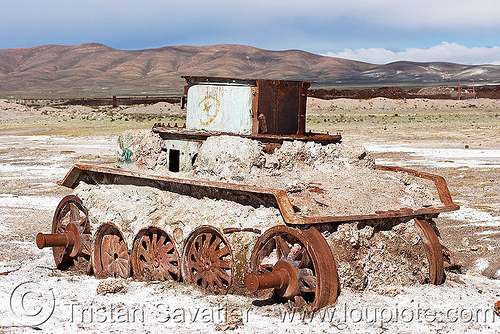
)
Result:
{"points": [[173, 160]]}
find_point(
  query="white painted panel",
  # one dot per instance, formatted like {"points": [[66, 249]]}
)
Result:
{"points": [[220, 109]]}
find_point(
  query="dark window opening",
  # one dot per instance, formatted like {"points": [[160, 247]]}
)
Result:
{"points": [[173, 160], [193, 160]]}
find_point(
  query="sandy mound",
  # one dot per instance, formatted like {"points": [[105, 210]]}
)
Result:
{"points": [[227, 156], [321, 180], [132, 208], [368, 257], [334, 179]]}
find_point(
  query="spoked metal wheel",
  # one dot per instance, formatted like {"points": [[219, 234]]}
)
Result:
{"points": [[154, 256], [433, 251], [70, 238], [111, 257], [208, 260], [297, 264]]}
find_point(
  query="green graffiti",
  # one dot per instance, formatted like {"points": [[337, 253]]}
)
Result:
{"points": [[124, 154]]}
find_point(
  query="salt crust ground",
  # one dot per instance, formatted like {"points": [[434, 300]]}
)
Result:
{"points": [[462, 304]]}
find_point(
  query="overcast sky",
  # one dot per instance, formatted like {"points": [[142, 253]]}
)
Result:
{"points": [[375, 31]]}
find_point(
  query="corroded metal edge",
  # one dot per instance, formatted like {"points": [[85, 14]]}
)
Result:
{"points": [[175, 132], [253, 195], [433, 251]]}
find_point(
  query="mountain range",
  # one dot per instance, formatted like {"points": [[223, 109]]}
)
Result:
{"points": [[96, 70]]}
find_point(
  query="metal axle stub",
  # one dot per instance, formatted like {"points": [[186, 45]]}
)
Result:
{"points": [[284, 278], [69, 239]]}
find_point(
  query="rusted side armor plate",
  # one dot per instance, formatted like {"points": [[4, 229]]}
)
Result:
{"points": [[251, 195]]}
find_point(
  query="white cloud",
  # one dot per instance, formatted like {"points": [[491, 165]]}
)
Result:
{"points": [[447, 52]]}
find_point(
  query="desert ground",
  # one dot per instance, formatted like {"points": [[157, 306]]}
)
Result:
{"points": [[459, 140]]}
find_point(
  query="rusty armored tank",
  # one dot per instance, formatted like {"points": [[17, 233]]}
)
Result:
{"points": [[242, 199]]}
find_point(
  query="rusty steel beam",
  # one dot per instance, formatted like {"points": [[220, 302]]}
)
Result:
{"points": [[439, 182], [433, 251], [168, 132], [252, 195]]}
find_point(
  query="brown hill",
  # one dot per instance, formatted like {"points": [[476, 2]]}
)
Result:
{"points": [[93, 70]]}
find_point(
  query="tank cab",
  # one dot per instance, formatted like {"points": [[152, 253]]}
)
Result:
{"points": [[266, 110]]}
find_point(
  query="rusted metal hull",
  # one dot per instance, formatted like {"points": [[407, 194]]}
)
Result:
{"points": [[303, 270], [307, 276]]}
